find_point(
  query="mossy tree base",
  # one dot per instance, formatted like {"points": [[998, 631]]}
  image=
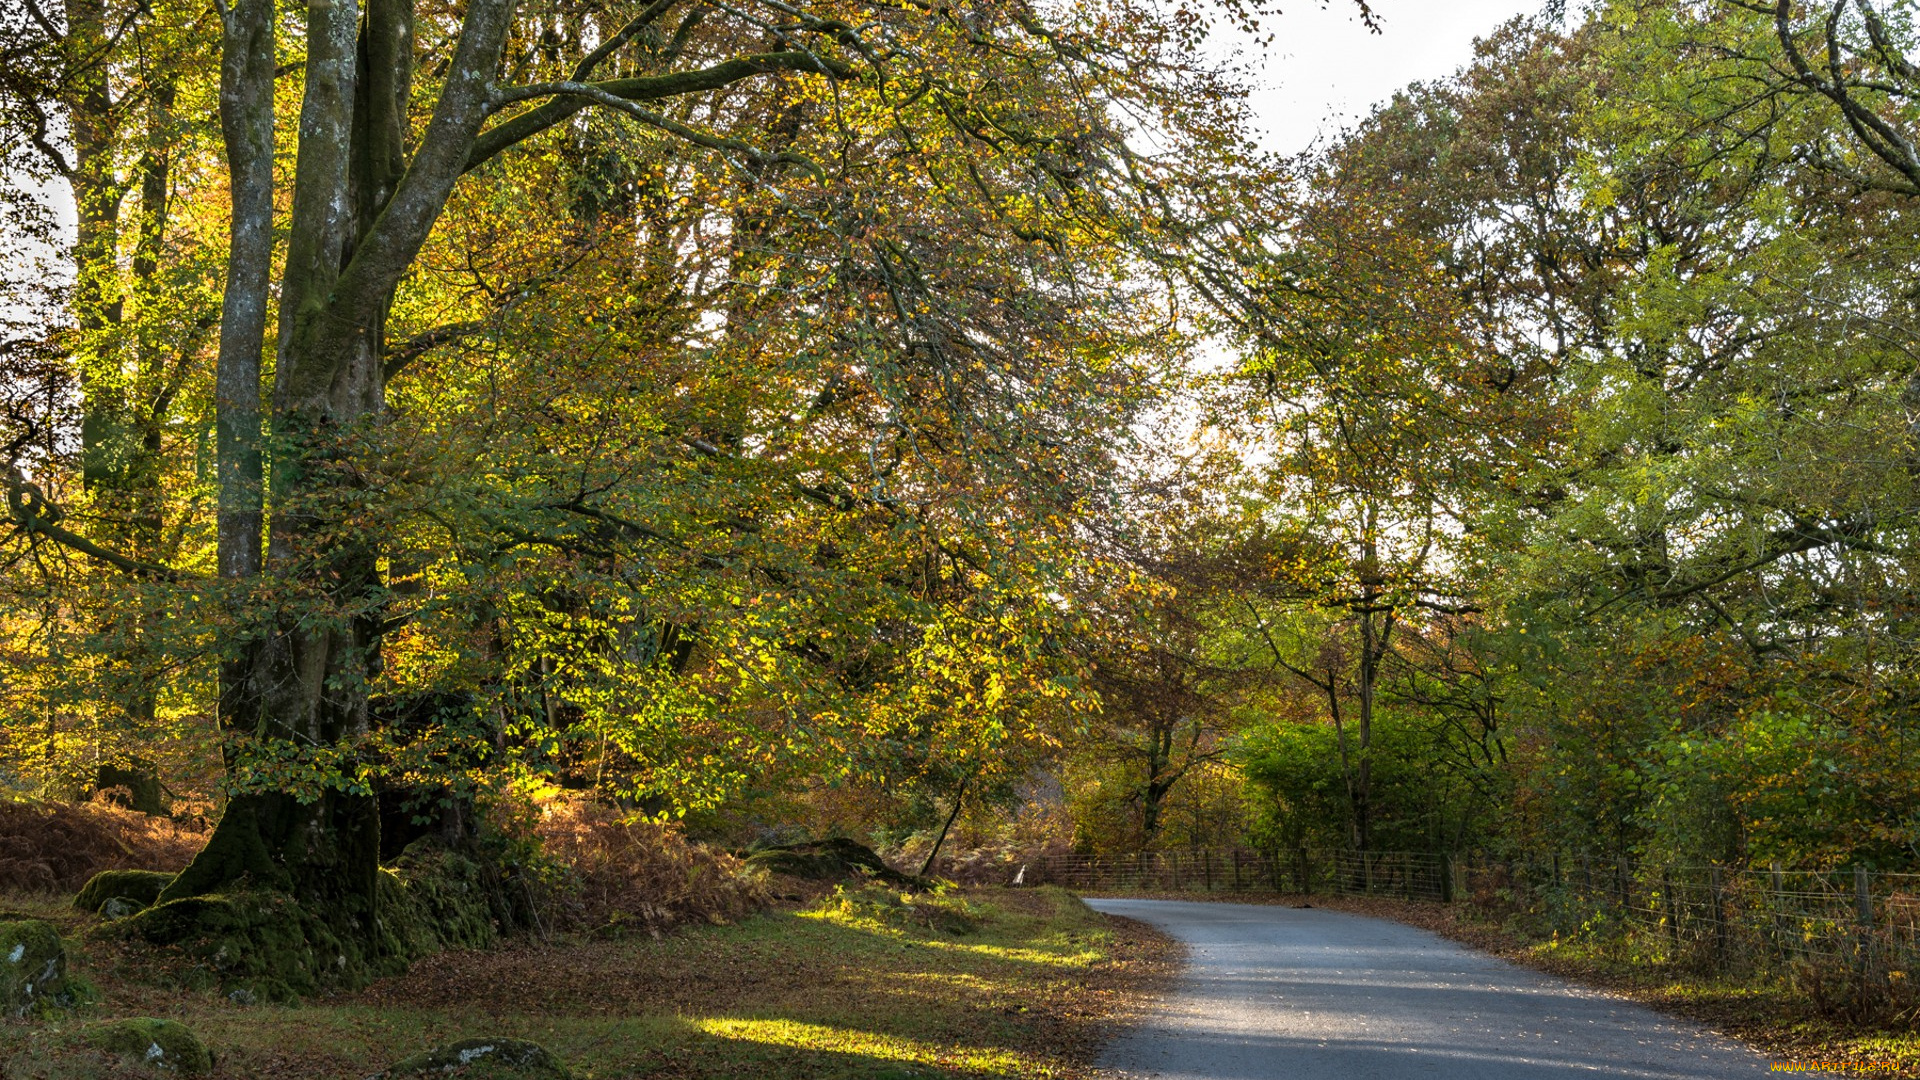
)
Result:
{"points": [[837, 859], [269, 944]]}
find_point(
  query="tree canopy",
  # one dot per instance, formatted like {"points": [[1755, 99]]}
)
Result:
{"points": [[887, 412]]}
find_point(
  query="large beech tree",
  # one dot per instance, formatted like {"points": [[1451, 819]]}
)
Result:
{"points": [[978, 243]]}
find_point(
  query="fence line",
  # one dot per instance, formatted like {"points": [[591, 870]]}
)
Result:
{"points": [[1410, 875], [1860, 924]]}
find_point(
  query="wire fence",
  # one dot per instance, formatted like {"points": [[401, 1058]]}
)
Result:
{"points": [[1849, 936], [1410, 875]]}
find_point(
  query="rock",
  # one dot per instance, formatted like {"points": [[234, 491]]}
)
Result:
{"points": [[838, 859], [505, 1059], [162, 1045], [33, 968], [142, 887], [120, 907], [134, 785]]}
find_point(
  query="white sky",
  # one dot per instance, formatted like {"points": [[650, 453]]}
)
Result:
{"points": [[1324, 70]]}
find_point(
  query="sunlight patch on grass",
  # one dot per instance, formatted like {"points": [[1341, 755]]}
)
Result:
{"points": [[1081, 956], [1064, 954], [891, 915], [820, 1037]]}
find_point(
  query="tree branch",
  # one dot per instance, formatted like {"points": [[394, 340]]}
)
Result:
{"points": [[575, 95], [31, 513]]}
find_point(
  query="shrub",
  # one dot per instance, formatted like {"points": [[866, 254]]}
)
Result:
{"points": [[621, 870], [57, 847]]}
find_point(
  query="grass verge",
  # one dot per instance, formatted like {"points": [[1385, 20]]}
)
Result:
{"points": [[1773, 1018], [865, 983]]}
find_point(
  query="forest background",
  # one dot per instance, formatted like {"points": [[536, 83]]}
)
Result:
{"points": [[792, 419]]}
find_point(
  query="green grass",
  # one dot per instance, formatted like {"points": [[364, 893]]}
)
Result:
{"points": [[867, 984]]}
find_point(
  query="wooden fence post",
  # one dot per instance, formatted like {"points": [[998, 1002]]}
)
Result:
{"points": [[1863, 914], [1720, 927], [1672, 904], [1777, 900]]}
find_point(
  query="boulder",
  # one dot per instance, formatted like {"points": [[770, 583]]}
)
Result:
{"points": [[162, 1045], [838, 859], [120, 907], [498, 1059], [142, 887], [33, 968]]}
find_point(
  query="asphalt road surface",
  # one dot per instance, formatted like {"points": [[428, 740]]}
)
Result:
{"points": [[1281, 993]]}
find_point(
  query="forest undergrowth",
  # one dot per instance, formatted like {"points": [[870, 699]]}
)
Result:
{"points": [[863, 982]]}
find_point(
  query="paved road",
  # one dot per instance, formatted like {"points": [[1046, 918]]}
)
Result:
{"points": [[1280, 993]]}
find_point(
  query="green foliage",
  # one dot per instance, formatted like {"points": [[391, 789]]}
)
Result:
{"points": [[1296, 787], [1583, 394]]}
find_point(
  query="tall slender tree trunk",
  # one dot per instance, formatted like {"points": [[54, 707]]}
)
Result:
{"points": [[121, 420], [959, 800], [1363, 770]]}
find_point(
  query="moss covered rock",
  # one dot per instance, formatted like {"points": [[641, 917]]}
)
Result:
{"points": [[473, 1059], [33, 968], [433, 898], [838, 859], [161, 1045], [141, 886]]}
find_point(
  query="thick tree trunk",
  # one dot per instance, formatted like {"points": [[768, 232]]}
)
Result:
{"points": [[359, 215]]}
